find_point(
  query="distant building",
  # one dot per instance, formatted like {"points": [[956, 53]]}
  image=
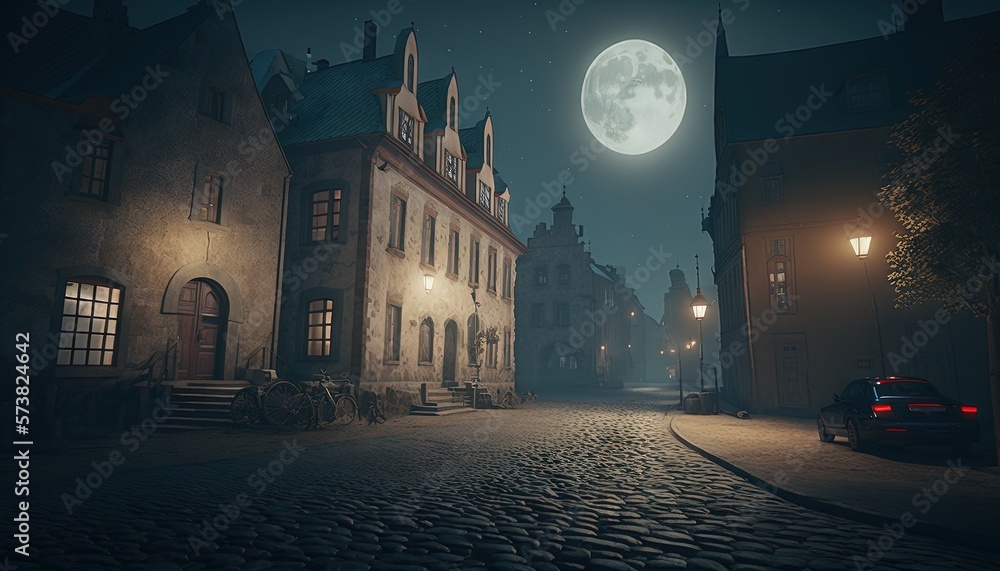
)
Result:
{"points": [[800, 159], [142, 233], [680, 331], [573, 315], [395, 217]]}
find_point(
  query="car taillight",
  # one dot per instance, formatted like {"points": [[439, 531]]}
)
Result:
{"points": [[882, 410], [969, 411]]}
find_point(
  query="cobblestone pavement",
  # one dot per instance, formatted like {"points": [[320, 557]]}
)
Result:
{"points": [[787, 454], [594, 484]]}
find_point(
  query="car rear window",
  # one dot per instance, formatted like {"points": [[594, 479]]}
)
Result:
{"points": [[905, 389]]}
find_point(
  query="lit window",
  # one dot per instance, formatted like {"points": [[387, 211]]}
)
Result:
{"points": [[325, 215], [406, 128], [96, 172], [427, 341], [427, 251], [451, 167], [393, 328], [89, 327], [397, 221], [485, 196], [778, 282], [207, 207], [319, 338]]}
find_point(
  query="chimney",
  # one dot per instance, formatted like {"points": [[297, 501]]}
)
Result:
{"points": [[322, 64], [309, 60], [111, 14], [371, 39], [580, 233]]}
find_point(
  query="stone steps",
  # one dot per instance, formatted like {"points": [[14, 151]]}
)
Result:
{"points": [[199, 405], [441, 401]]}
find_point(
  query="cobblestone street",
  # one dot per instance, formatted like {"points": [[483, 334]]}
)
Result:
{"points": [[597, 483]]}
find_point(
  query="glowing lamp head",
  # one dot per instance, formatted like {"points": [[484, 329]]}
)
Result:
{"points": [[428, 283], [861, 241], [699, 305]]}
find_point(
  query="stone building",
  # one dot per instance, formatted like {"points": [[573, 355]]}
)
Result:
{"points": [[396, 217], [573, 315], [142, 206], [797, 318]]}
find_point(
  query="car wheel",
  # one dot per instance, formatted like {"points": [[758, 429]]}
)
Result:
{"points": [[961, 448], [854, 439], [824, 436]]}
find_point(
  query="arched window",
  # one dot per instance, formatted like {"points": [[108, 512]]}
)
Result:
{"points": [[453, 114], [90, 323], [409, 72], [319, 333], [489, 150], [427, 341]]}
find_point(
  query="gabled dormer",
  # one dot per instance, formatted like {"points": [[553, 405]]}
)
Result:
{"points": [[404, 117], [501, 199], [442, 145], [480, 185]]}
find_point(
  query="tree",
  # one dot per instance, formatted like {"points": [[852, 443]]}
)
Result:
{"points": [[945, 195]]}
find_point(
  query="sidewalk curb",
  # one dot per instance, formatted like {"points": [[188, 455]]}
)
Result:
{"points": [[964, 538]]}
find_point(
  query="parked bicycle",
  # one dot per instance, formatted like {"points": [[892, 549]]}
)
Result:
{"points": [[305, 405], [373, 412]]}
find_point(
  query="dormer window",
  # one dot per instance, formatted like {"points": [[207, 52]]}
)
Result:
{"points": [[868, 93], [451, 167], [489, 150], [406, 128], [453, 114], [502, 210], [409, 72], [485, 196]]}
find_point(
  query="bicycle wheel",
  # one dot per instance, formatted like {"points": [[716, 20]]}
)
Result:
{"points": [[284, 404], [326, 406], [245, 406], [346, 409], [375, 414]]}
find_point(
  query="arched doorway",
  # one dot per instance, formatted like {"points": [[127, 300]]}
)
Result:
{"points": [[202, 311], [450, 352]]}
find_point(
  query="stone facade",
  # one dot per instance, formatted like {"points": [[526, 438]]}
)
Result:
{"points": [[144, 235], [389, 182], [573, 316]]}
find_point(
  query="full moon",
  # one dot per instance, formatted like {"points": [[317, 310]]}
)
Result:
{"points": [[633, 97]]}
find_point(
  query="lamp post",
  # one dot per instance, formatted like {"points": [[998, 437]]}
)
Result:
{"points": [[861, 241], [474, 350], [699, 305]]}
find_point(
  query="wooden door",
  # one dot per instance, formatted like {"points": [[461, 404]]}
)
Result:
{"points": [[791, 370], [450, 351], [201, 321]]}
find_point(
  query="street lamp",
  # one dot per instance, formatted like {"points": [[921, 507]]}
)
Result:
{"points": [[861, 241], [699, 305], [428, 282]]}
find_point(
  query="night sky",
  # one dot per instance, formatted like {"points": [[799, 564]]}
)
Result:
{"points": [[627, 204]]}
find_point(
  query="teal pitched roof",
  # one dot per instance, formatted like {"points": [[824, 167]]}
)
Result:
{"points": [[338, 102], [472, 140], [267, 63], [757, 92], [432, 96], [70, 66], [500, 183]]}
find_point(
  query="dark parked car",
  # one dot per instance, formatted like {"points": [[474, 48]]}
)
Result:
{"points": [[898, 408]]}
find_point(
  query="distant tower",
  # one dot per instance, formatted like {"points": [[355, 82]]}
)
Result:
{"points": [[562, 215]]}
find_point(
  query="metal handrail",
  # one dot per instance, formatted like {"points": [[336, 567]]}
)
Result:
{"points": [[265, 362], [147, 371]]}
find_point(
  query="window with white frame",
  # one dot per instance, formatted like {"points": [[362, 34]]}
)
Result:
{"points": [[485, 196], [406, 128], [90, 319], [451, 167]]}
